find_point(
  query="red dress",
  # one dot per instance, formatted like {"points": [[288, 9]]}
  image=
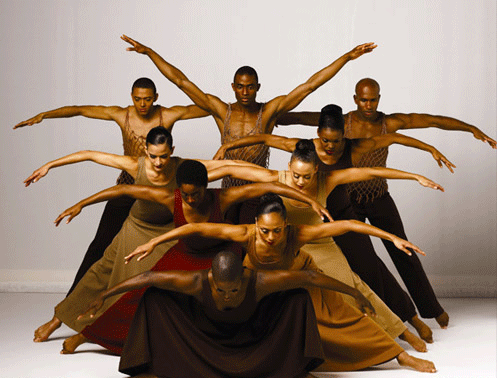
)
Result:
{"points": [[193, 253]]}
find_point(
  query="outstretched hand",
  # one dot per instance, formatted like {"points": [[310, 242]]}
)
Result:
{"points": [[137, 46], [365, 48], [71, 213], [430, 184], [365, 305], [36, 175], [441, 160], [478, 134], [321, 211], [93, 308], [142, 251], [403, 245], [29, 122]]}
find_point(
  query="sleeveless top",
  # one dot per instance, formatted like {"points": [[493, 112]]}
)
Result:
{"points": [[235, 315], [149, 211], [199, 244], [257, 154], [133, 145], [364, 191]]}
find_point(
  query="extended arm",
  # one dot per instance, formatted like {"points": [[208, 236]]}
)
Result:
{"points": [[272, 281], [125, 163], [275, 141], [299, 118], [420, 121], [308, 233], [366, 145], [107, 113], [209, 103], [295, 97], [223, 231], [346, 176], [180, 281]]}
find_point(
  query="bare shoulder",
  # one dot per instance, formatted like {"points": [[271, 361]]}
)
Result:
{"points": [[396, 121]]}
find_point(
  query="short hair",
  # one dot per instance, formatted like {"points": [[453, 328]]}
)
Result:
{"points": [[246, 70], [227, 267], [305, 151], [270, 203], [159, 135], [144, 82], [192, 172], [367, 81], [331, 117]]}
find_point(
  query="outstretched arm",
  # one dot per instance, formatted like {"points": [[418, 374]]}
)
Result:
{"points": [[223, 231], [366, 145], [189, 283], [286, 103], [308, 233], [125, 163], [420, 121], [209, 103], [275, 141], [107, 113], [272, 281], [346, 176], [299, 118], [244, 172]]}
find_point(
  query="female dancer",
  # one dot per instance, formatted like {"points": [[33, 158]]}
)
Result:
{"points": [[336, 152], [351, 341]]}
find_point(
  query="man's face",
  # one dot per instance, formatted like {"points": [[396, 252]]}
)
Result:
{"points": [[245, 88], [192, 195], [143, 100], [367, 99]]}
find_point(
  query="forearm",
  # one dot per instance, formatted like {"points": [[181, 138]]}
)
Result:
{"points": [[70, 159], [246, 141], [412, 142], [105, 195], [299, 118], [321, 77], [168, 70], [188, 229], [320, 280], [286, 191], [137, 282]]}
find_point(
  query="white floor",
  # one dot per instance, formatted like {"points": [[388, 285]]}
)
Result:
{"points": [[467, 349]]}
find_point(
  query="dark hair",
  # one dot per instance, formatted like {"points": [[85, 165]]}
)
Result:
{"points": [[305, 151], [246, 70], [159, 135], [192, 172], [227, 267], [331, 117], [144, 82], [270, 203]]}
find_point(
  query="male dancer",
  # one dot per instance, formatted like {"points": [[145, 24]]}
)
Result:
{"points": [[135, 121]]}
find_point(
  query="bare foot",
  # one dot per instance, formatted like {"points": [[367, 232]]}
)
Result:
{"points": [[423, 330], [413, 341], [71, 343], [418, 364], [443, 320], [44, 331]]}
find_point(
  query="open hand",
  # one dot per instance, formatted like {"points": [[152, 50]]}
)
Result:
{"points": [[403, 245], [137, 46], [36, 175], [71, 213], [29, 122], [142, 251], [360, 50]]}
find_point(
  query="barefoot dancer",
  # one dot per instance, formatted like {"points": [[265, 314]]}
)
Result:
{"points": [[247, 116], [350, 340], [336, 152], [135, 121], [192, 202]]}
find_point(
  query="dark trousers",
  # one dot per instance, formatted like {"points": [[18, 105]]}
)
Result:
{"points": [[382, 213], [362, 258], [115, 213]]}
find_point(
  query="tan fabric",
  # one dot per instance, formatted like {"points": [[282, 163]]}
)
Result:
{"points": [[332, 262]]}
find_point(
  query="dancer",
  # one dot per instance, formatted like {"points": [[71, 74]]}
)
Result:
{"points": [[135, 121], [274, 244], [247, 116], [192, 202], [336, 152], [158, 168]]}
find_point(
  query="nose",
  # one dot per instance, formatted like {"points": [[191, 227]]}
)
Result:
{"points": [[244, 91], [368, 105], [300, 181]]}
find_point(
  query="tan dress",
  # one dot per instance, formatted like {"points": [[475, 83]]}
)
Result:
{"points": [[350, 340], [146, 220], [332, 262]]}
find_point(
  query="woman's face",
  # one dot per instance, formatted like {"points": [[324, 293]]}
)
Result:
{"points": [[331, 141], [159, 155], [303, 173], [270, 228]]}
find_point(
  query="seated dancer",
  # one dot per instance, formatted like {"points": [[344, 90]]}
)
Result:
{"points": [[336, 152], [158, 168], [247, 116], [192, 202], [135, 121], [350, 340]]}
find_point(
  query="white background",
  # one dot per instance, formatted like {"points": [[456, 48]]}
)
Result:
{"points": [[435, 57]]}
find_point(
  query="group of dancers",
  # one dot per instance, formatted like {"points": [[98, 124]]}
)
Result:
{"points": [[227, 266]]}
